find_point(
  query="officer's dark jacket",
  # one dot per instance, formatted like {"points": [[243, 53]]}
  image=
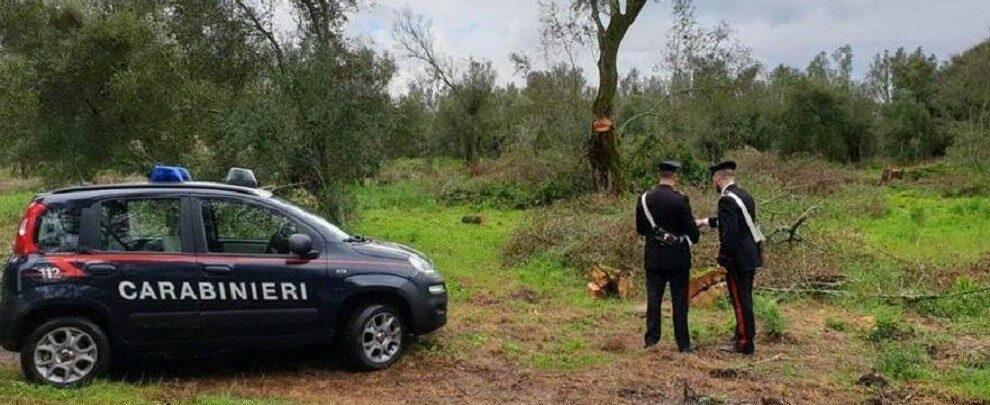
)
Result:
{"points": [[737, 250], [672, 211]]}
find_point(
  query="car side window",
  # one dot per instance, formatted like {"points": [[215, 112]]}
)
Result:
{"points": [[140, 225], [58, 230], [233, 226]]}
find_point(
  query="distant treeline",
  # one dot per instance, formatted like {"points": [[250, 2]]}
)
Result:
{"points": [[97, 88]]}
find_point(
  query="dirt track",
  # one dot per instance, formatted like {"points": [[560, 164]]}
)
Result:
{"points": [[811, 365]]}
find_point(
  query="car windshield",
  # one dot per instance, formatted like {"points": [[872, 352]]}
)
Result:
{"points": [[336, 234]]}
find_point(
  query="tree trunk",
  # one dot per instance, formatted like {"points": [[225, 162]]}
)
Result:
{"points": [[603, 146], [603, 150]]}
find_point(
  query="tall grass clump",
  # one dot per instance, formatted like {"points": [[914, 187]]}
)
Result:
{"points": [[889, 325], [902, 362], [767, 310]]}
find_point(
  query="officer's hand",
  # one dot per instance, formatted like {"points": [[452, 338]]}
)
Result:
{"points": [[701, 223]]}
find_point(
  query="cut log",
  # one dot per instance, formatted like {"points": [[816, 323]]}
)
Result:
{"points": [[595, 291], [622, 285], [890, 174], [705, 279], [472, 219], [608, 281]]}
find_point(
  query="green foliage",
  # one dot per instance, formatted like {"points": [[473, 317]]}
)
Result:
{"points": [[13, 389], [581, 233], [836, 324], [918, 225], [127, 86], [819, 117], [964, 86], [910, 130], [970, 381], [959, 302], [888, 325], [971, 146], [902, 362], [767, 310]]}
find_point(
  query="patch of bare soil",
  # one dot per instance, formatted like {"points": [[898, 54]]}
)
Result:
{"points": [[811, 365]]}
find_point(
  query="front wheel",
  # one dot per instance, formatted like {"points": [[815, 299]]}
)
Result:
{"points": [[374, 338], [65, 352]]}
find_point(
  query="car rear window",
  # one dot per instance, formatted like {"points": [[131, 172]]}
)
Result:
{"points": [[58, 230]]}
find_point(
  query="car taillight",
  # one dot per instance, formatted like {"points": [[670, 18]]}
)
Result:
{"points": [[24, 242]]}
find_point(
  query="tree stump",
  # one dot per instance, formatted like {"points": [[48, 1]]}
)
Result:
{"points": [[609, 282], [891, 174]]}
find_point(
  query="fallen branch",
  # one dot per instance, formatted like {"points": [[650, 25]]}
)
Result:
{"points": [[918, 298], [776, 357], [809, 291], [792, 230], [905, 297]]}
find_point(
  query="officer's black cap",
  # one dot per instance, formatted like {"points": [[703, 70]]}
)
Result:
{"points": [[726, 165], [670, 166]]}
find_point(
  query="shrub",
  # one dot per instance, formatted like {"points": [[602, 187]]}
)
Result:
{"points": [[902, 361], [767, 310], [582, 232], [798, 173], [520, 178], [888, 325], [836, 324]]}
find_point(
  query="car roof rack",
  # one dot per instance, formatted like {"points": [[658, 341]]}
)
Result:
{"points": [[201, 185]]}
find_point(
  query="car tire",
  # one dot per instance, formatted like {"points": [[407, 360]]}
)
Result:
{"points": [[374, 338], [65, 352]]}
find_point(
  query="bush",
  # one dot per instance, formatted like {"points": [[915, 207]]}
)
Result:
{"points": [[971, 146], [836, 324], [798, 173], [902, 362], [582, 232], [767, 310], [520, 178], [889, 325]]}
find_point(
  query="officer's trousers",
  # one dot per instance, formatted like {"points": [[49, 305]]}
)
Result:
{"points": [[740, 286], [656, 282]]}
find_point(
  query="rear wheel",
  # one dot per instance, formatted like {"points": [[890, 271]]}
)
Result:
{"points": [[65, 352], [374, 339]]}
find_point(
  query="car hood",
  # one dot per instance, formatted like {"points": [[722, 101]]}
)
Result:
{"points": [[385, 250]]}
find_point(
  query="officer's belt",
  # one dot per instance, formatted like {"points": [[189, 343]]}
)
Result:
{"points": [[658, 230]]}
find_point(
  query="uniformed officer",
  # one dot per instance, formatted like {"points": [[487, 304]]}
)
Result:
{"points": [[740, 250], [664, 217]]}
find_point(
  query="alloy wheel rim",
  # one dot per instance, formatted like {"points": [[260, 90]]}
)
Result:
{"points": [[65, 355], [381, 337]]}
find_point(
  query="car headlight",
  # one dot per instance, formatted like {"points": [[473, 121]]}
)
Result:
{"points": [[421, 264]]}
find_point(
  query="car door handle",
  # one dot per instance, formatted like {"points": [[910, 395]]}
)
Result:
{"points": [[217, 270], [100, 269]]}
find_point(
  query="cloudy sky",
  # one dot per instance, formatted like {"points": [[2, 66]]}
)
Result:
{"points": [[778, 31]]}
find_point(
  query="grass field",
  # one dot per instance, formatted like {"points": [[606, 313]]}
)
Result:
{"points": [[530, 332], [923, 226]]}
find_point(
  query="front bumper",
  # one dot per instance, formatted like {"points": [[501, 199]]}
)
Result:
{"points": [[430, 312]]}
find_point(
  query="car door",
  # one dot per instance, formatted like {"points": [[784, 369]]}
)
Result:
{"points": [[143, 258], [263, 290]]}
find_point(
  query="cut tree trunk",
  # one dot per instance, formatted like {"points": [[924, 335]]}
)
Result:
{"points": [[603, 150]]}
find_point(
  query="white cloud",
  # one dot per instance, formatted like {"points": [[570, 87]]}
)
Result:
{"points": [[781, 31]]}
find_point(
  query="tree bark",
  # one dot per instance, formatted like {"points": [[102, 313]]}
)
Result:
{"points": [[603, 147]]}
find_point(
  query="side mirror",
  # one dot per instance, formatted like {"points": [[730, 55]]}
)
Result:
{"points": [[301, 245]]}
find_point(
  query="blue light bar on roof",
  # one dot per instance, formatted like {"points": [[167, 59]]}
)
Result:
{"points": [[169, 174]]}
